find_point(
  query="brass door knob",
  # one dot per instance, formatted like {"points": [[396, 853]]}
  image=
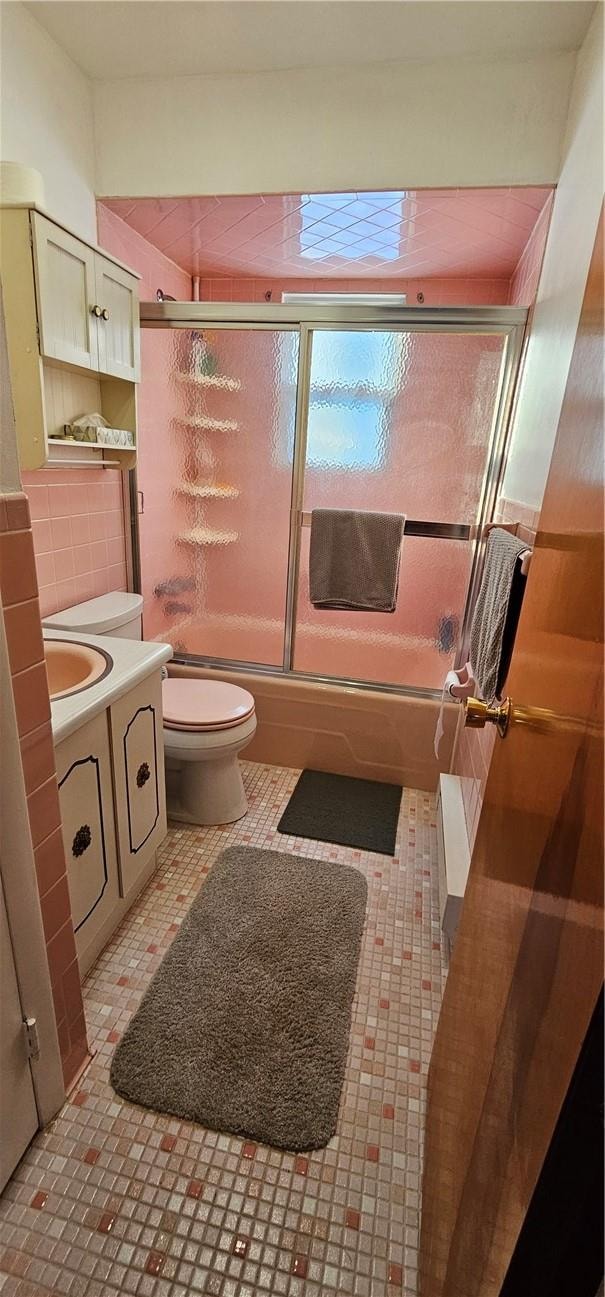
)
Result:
{"points": [[105, 313], [96, 311], [478, 714]]}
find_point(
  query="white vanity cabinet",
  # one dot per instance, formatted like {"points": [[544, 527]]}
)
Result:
{"points": [[113, 809], [86, 797], [138, 765], [88, 312]]}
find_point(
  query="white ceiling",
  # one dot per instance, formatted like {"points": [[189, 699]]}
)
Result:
{"points": [[147, 38]]}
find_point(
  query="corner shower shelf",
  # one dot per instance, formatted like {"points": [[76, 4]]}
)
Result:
{"points": [[220, 381], [206, 536], [211, 425], [206, 491]]}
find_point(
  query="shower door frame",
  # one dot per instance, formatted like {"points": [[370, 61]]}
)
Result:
{"points": [[509, 322]]}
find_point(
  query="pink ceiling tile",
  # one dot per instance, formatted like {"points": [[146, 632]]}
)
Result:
{"points": [[148, 212], [441, 232]]}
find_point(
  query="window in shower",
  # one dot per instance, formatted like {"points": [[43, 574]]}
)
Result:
{"points": [[349, 416]]}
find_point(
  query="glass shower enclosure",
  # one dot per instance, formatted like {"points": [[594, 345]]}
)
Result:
{"points": [[252, 416]]}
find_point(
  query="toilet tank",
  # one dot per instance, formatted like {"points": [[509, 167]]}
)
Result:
{"points": [[119, 614]]}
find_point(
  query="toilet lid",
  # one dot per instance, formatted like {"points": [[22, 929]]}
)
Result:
{"points": [[204, 704]]}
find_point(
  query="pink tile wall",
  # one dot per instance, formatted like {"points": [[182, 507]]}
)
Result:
{"points": [[473, 748], [79, 534], [524, 282], [19, 594], [160, 458], [436, 292]]}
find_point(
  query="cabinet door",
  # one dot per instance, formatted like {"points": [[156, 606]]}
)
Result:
{"points": [[117, 295], [139, 782], [85, 792], [65, 291]]}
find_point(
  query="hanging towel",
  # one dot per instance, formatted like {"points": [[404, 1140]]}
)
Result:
{"points": [[354, 559], [489, 619]]}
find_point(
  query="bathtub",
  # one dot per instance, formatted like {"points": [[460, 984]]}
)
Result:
{"points": [[343, 729]]}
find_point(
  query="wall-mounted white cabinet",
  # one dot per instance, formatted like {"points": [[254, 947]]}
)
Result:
{"points": [[113, 811], [72, 321], [88, 309]]}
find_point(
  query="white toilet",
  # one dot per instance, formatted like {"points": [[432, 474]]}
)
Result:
{"points": [[206, 722]]}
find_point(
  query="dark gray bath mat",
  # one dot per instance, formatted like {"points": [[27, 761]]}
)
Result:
{"points": [[335, 808], [245, 1026]]}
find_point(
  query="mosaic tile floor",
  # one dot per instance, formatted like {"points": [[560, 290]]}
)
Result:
{"points": [[112, 1199]]}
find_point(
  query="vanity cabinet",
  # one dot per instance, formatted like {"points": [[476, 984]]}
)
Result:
{"points": [[113, 811], [88, 312], [86, 797], [138, 764]]}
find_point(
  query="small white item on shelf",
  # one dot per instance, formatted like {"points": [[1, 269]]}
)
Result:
{"points": [[118, 437], [94, 429], [86, 428]]}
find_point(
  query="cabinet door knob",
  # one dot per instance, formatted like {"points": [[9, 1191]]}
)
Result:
{"points": [[82, 841], [96, 311], [105, 313], [143, 774]]}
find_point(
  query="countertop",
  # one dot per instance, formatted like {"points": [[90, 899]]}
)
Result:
{"points": [[133, 660]]}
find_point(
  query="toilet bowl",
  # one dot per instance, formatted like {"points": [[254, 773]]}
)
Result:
{"points": [[206, 725], [206, 722]]}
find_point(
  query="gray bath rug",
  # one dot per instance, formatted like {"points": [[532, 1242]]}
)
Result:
{"points": [[245, 1025], [335, 808]]}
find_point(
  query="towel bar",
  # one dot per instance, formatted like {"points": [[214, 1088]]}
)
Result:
{"points": [[436, 530]]}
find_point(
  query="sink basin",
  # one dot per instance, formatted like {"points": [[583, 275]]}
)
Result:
{"points": [[71, 666]]}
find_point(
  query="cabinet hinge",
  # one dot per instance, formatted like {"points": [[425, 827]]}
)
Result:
{"points": [[32, 1042]]}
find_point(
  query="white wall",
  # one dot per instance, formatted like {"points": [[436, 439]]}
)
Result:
{"points": [[569, 248], [46, 118], [389, 125]]}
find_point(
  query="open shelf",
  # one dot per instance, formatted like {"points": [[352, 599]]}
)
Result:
{"points": [[88, 445], [207, 536], [219, 382], [206, 491]]}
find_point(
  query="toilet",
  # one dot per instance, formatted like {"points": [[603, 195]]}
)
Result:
{"points": [[206, 722]]}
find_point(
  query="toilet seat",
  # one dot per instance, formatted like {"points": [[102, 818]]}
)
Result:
{"points": [[198, 706]]}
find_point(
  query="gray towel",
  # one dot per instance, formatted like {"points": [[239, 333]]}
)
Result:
{"points": [[354, 559], [489, 618]]}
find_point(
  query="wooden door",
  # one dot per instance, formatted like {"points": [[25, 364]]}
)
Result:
{"points": [[117, 295], [18, 1113], [65, 290], [527, 966], [137, 747]]}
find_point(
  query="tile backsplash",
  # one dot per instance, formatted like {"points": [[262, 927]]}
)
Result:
{"points": [[79, 534]]}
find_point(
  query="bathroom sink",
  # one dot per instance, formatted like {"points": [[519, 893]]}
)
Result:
{"points": [[71, 666]]}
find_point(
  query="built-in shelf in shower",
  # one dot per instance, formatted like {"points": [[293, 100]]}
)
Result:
{"points": [[211, 425], [207, 536], [218, 381], [207, 491]]}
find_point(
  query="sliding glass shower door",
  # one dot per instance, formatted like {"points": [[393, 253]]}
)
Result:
{"points": [[217, 416], [398, 422], [253, 416]]}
